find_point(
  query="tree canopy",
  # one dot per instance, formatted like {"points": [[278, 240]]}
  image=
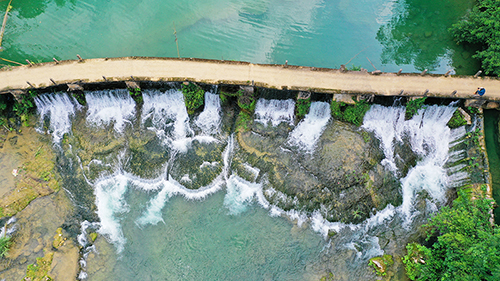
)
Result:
{"points": [[467, 246], [482, 26]]}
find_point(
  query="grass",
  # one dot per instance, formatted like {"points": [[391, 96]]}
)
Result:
{"points": [[413, 106], [193, 97]]}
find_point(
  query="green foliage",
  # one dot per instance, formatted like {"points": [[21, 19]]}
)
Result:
{"points": [[4, 245], [243, 122], [481, 26], [80, 97], [467, 246], [25, 104], [456, 120], [355, 68], [302, 107], [246, 101], [350, 113], [136, 94], [472, 110], [193, 97], [413, 106]]}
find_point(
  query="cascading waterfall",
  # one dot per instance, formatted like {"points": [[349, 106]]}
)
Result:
{"points": [[164, 113], [275, 111], [106, 107], [308, 131], [58, 109], [429, 138], [210, 119]]}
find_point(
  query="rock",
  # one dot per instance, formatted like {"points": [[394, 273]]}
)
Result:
{"points": [[491, 105], [74, 87], [474, 103], [132, 85], [345, 98]]}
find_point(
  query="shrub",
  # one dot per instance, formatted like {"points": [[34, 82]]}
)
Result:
{"points": [[4, 245], [246, 101], [413, 106], [193, 97], [25, 104], [481, 27], [350, 113], [456, 120], [302, 108], [466, 247], [136, 94]]}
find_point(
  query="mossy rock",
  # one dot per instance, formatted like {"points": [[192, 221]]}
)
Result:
{"points": [[58, 239], [93, 236], [380, 264]]}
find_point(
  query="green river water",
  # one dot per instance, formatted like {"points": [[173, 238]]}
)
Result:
{"points": [[410, 34]]}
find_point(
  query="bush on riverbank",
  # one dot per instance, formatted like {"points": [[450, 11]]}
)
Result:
{"points": [[412, 107], [302, 107], [481, 27], [350, 113], [466, 246], [193, 96]]}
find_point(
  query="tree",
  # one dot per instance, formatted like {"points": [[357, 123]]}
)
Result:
{"points": [[482, 26], [467, 245]]}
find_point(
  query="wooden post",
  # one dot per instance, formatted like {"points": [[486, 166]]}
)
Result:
{"points": [[423, 72], [104, 78], [286, 63], [399, 72], [53, 82], [79, 58], [478, 73], [30, 63], [56, 61], [447, 73], [454, 93], [31, 85], [4, 24]]}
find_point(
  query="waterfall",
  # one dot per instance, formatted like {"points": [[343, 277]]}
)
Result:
{"points": [[106, 107], [429, 138], [274, 111], [210, 119], [309, 130], [59, 109]]}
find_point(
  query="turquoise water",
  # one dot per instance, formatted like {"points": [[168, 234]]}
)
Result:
{"points": [[202, 241], [411, 34]]}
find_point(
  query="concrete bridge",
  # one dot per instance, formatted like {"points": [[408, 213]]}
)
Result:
{"points": [[242, 73]]}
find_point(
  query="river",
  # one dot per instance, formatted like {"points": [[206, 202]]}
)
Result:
{"points": [[388, 34]]}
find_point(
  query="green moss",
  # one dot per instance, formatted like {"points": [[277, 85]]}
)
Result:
{"points": [[93, 236], [58, 239], [413, 106], [457, 120], [193, 97], [246, 101], [39, 271]]}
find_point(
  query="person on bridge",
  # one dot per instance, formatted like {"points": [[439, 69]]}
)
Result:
{"points": [[480, 91]]}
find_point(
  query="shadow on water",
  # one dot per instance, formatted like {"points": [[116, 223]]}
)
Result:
{"points": [[491, 118]]}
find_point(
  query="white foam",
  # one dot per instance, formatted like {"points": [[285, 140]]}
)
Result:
{"points": [[309, 130], [429, 138], [275, 111], [105, 107], [60, 108], [240, 193], [110, 202], [167, 113], [210, 119]]}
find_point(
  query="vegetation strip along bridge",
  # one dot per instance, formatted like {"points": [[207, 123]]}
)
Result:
{"points": [[242, 73]]}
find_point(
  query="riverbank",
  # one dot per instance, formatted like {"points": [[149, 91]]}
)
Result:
{"points": [[242, 73]]}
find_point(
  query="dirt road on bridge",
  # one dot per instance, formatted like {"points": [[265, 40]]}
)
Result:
{"points": [[274, 76]]}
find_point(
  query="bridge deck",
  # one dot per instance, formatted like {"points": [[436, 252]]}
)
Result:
{"points": [[274, 76]]}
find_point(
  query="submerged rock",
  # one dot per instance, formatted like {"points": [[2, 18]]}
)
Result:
{"points": [[342, 178]]}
